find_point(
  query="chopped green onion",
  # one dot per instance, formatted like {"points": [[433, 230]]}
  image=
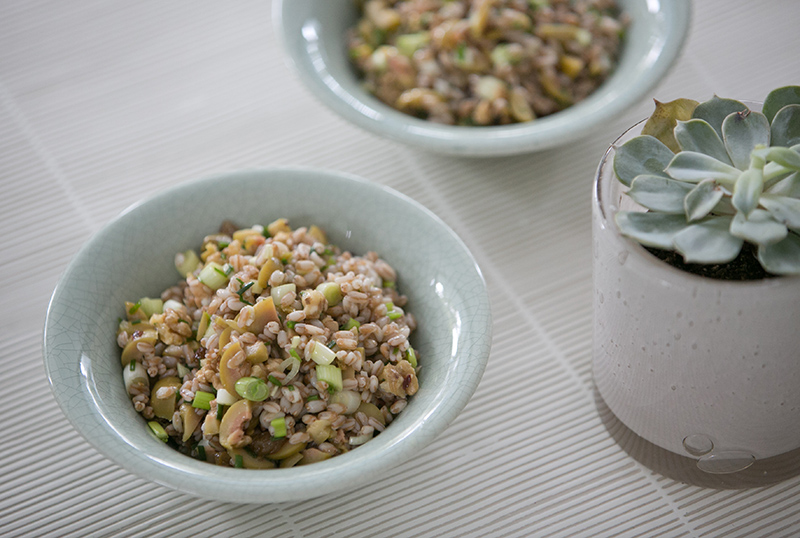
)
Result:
{"points": [[186, 263], [290, 387], [238, 461], [394, 314], [223, 244], [134, 374], [220, 411], [158, 430], [351, 324], [225, 398], [332, 292], [228, 268], [279, 426], [134, 308], [172, 304], [201, 452], [294, 354], [202, 400], [388, 284], [312, 398], [151, 306], [331, 344], [461, 52], [322, 354], [278, 292], [272, 379], [291, 324], [252, 388], [213, 276], [331, 375], [136, 322], [243, 289], [411, 356]]}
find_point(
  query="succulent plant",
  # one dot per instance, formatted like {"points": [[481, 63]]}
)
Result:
{"points": [[714, 175]]}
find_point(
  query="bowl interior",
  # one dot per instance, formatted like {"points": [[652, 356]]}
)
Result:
{"points": [[314, 37], [133, 257]]}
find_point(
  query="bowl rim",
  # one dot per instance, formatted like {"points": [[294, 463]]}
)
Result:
{"points": [[372, 115], [72, 387]]}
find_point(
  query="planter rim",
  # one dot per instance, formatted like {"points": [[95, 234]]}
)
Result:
{"points": [[669, 275]]}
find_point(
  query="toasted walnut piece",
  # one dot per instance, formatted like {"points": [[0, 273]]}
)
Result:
{"points": [[399, 379]]}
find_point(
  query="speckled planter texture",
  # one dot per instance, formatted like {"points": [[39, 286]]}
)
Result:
{"points": [[704, 368], [133, 257]]}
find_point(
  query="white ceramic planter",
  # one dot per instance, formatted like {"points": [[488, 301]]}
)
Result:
{"points": [[704, 368]]}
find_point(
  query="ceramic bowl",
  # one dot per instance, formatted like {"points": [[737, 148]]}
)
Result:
{"points": [[313, 36], [133, 257]]}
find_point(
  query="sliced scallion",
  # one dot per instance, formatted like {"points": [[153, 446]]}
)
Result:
{"points": [[252, 388], [312, 397], [132, 310], [201, 452], [225, 398], [294, 354], [331, 375], [158, 430], [213, 276], [220, 411], [151, 306], [272, 379], [186, 262], [278, 292], [411, 356], [238, 461], [352, 324], [202, 400], [332, 292], [321, 354], [182, 370], [279, 427]]}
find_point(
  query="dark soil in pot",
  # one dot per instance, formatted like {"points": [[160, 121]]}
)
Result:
{"points": [[745, 267]]}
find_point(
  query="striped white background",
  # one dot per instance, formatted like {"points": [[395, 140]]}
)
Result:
{"points": [[104, 102]]}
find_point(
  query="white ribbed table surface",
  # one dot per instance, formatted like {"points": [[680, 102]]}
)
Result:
{"points": [[105, 102]]}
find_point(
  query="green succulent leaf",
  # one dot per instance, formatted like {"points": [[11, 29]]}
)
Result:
{"points": [[760, 228], [785, 128], [783, 209], [742, 132], [702, 199], [708, 241], [782, 160], [779, 98], [788, 186], [748, 190], [783, 257], [650, 229], [695, 167], [699, 136], [724, 207], [643, 155], [715, 110], [661, 123], [659, 193]]}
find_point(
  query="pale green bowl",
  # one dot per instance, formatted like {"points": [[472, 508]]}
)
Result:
{"points": [[313, 36], [133, 257]]}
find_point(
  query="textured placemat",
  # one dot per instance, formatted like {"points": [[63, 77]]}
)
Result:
{"points": [[102, 103]]}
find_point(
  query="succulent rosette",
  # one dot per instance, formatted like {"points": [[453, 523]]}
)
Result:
{"points": [[715, 175]]}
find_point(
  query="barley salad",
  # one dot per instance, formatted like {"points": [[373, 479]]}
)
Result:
{"points": [[275, 349], [485, 62]]}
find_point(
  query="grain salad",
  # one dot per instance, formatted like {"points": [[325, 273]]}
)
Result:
{"points": [[485, 62], [275, 349]]}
